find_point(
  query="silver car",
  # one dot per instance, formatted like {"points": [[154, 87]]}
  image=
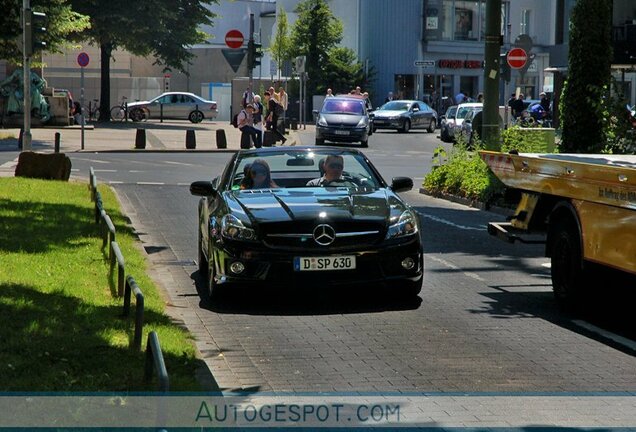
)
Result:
{"points": [[404, 115], [174, 105]]}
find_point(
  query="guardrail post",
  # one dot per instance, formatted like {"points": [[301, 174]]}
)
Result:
{"points": [[154, 357], [108, 231], [99, 206], [131, 286], [92, 186], [117, 256]]}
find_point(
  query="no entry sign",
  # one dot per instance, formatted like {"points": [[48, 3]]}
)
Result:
{"points": [[517, 58], [234, 39]]}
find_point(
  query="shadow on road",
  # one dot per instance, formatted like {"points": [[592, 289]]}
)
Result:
{"points": [[304, 300]]}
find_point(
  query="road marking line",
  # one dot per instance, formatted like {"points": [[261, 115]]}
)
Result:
{"points": [[151, 183], [178, 163], [183, 184], [115, 182], [136, 171], [105, 170], [9, 164], [444, 221], [628, 343]]}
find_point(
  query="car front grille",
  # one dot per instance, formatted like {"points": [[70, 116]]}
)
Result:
{"points": [[299, 235]]}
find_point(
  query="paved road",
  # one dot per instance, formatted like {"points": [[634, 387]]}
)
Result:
{"points": [[485, 320]]}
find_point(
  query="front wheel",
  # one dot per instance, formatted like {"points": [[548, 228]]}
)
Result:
{"points": [[196, 117], [137, 115], [406, 126], [431, 126], [117, 113], [203, 261], [566, 265]]}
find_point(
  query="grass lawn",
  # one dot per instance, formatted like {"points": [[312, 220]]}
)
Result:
{"points": [[60, 323]]}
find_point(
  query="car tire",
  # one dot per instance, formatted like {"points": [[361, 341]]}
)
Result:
{"points": [[136, 115], [319, 141], [406, 126], [431, 127], [375, 129], [365, 143], [568, 278], [196, 117], [216, 292]]}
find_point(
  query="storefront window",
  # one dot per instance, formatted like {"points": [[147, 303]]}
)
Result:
{"points": [[458, 19], [406, 86]]}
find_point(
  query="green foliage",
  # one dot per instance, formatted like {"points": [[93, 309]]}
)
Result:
{"points": [[280, 44], [465, 175], [343, 72], [589, 63], [61, 326], [62, 22], [523, 141]]}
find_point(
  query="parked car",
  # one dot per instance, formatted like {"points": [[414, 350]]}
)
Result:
{"points": [[343, 119], [404, 115], [462, 111], [447, 123], [355, 230], [174, 105], [467, 125]]}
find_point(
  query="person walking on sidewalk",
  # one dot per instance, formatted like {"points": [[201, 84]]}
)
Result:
{"points": [[274, 110], [258, 115]]}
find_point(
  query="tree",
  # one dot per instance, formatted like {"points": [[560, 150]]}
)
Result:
{"points": [[589, 75], [343, 72], [281, 43], [62, 21], [314, 34], [160, 28]]}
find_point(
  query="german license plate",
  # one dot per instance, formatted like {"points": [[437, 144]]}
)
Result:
{"points": [[342, 132], [342, 262]]}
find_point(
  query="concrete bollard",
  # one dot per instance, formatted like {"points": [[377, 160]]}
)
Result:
{"points": [[191, 140], [294, 124], [221, 140], [140, 139], [57, 142], [20, 137]]}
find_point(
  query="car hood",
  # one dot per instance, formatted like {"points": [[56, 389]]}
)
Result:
{"points": [[301, 204], [388, 113], [137, 103], [342, 119]]}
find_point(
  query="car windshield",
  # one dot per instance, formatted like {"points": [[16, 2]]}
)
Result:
{"points": [[463, 112], [341, 106], [294, 169], [395, 106], [451, 112]]}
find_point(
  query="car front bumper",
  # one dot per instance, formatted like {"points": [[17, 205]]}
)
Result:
{"points": [[385, 123], [342, 134], [265, 265]]}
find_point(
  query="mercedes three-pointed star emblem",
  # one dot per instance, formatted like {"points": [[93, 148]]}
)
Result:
{"points": [[324, 235]]}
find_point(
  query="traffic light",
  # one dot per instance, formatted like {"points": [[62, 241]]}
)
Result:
{"points": [[504, 67], [254, 54], [34, 27]]}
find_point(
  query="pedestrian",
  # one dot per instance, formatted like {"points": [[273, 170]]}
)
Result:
{"points": [[545, 102], [258, 115], [358, 90], [274, 111], [480, 98], [329, 93], [245, 121], [389, 97], [518, 106], [248, 97], [283, 98], [460, 97]]}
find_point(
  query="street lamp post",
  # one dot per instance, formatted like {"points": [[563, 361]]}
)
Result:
{"points": [[490, 125], [26, 75]]}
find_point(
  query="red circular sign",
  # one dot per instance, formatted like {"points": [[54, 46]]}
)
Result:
{"points": [[517, 58], [234, 39]]}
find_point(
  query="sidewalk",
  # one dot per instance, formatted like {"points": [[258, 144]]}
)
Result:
{"points": [[166, 136]]}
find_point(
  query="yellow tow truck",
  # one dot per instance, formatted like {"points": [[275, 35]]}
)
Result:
{"points": [[586, 207]]}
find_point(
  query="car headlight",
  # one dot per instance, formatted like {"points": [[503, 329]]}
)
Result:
{"points": [[322, 121], [363, 122], [233, 228], [405, 225]]}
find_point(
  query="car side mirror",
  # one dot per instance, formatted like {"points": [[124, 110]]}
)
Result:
{"points": [[203, 189], [401, 184], [371, 115], [315, 112]]}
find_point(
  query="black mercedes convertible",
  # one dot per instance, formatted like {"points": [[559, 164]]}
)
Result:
{"points": [[304, 216]]}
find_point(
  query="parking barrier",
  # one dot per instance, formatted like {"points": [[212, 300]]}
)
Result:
{"points": [[99, 207], [131, 286], [154, 357], [108, 232], [92, 183], [191, 139], [116, 255]]}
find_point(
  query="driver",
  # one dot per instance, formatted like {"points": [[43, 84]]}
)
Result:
{"points": [[334, 164]]}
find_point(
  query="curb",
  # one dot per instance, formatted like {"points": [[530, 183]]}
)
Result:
{"points": [[468, 202]]}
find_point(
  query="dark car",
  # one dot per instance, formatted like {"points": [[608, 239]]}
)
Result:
{"points": [[343, 119], [447, 124], [350, 231], [404, 115]]}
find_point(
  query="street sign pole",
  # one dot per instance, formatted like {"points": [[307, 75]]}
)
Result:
{"points": [[26, 77], [82, 104], [251, 43], [490, 126]]}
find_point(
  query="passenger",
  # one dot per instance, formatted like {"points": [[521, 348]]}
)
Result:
{"points": [[333, 166], [260, 175]]}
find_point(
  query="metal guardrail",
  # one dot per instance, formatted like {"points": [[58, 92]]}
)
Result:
{"points": [[108, 231], [154, 358], [132, 287], [99, 206], [116, 255]]}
